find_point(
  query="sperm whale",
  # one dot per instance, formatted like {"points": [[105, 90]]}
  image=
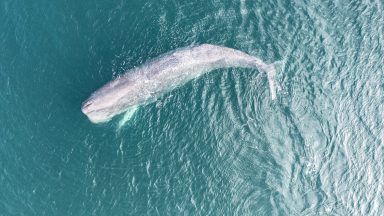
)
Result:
{"points": [[145, 83]]}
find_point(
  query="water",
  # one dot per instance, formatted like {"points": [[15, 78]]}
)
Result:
{"points": [[215, 146]]}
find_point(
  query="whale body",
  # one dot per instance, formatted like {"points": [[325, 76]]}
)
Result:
{"points": [[145, 83]]}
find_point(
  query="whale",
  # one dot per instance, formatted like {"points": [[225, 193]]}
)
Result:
{"points": [[144, 84]]}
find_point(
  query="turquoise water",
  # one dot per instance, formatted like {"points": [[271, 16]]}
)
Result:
{"points": [[215, 146]]}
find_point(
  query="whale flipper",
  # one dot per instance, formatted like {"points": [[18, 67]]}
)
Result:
{"points": [[127, 116], [271, 73]]}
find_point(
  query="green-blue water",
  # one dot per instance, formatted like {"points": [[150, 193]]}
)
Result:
{"points": [[215, 146]]}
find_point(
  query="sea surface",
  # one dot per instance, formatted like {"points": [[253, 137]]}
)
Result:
{"points": [[217, 145]]}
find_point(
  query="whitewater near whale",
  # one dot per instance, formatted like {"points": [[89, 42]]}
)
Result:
{"points": [[145, 83]]}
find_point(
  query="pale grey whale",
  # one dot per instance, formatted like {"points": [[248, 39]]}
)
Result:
{"points": [[145, 83]]}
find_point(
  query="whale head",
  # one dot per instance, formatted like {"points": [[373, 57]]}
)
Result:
{"points": [[95, 110], [112, 99], [102, 105]]}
